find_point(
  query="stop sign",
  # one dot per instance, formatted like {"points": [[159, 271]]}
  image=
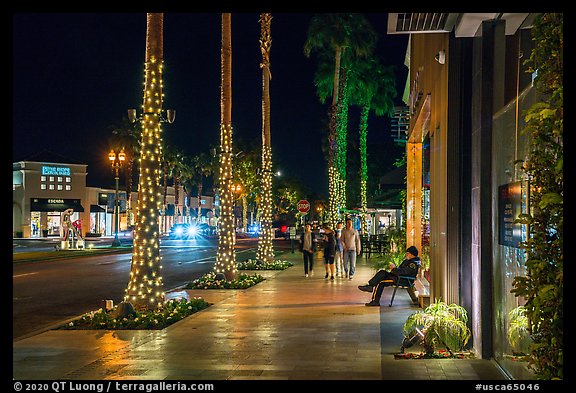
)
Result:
{"points": [[303, 206]]}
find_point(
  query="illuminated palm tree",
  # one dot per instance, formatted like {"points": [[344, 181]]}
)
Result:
{"points": [[336, 38], [246, 174], [145, 289], [372, 87], [226, 257], [265, 250]]}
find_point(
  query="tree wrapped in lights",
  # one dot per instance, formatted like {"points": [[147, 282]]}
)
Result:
{"points": [[337, 38], [145, 288], [226, 257], [372, 87], [265, 250]]}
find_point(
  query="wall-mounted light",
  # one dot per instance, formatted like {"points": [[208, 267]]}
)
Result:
{"points": [[441, 57]]}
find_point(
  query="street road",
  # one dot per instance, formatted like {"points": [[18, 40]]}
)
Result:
{"points": [[48, 292]]}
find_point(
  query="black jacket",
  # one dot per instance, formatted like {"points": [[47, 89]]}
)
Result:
{"points": [[329, 245], [408, 267]]}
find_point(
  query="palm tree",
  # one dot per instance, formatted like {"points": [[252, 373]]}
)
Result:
{"points": [[265, 250], [338, 37], [176, 160], [226, 257], [201, 168], [373, 87], [246, 174], [167, 162], [145, 289]]}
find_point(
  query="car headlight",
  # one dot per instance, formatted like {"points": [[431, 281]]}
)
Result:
{"points": [[179, 231], [192, 231]]}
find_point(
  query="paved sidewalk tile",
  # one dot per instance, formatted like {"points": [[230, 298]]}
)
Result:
{"points": [[288, 327]]}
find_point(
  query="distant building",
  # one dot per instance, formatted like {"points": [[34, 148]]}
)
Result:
{"points": [[47, 184]]}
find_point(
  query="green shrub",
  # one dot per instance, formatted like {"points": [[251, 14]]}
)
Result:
{"points": [[442, 324], [254, 264], [209, 281]]}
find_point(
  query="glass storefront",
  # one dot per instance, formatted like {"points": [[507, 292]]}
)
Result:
{"points": [[53, 224], [511, 342], [35, 225]]}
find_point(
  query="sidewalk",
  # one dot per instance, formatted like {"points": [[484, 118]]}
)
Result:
{"points": [[288, 327]]}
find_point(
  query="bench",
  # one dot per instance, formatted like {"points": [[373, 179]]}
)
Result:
{"points": [[404, 282]]}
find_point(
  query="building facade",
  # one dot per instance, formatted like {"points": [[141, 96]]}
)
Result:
{"points": [[467, 88], [44, 189]]}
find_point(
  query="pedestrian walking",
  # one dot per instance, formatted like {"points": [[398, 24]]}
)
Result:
{"points": [[329, 251], [339, 257], [350, 248], [307, 246]]}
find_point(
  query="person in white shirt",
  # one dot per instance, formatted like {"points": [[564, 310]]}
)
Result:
{"points": [[350, 239]]}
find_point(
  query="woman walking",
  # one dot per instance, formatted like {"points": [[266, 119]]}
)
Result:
{"points": [[329, 251]]}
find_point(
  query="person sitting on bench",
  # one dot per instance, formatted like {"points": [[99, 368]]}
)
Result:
{"points": [[383, 278]]}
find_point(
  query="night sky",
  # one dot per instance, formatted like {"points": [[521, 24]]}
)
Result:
{"points": [[75, 74]]}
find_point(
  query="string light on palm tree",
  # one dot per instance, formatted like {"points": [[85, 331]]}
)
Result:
{"points": [[145, 287], [265, 250], [226, 255]]}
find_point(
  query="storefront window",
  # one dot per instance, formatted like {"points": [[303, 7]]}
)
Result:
{"points": [[54, 224], [511, 341], [35, 229]]}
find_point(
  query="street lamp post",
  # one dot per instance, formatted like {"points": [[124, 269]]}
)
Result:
{"points": [[236, 189], [116, 160]]}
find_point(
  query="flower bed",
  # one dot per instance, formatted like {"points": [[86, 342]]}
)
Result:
{"points": [[441, 354], [209, 281], [253, 264], [173, 311]]}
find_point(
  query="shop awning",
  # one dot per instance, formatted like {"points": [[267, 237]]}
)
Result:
{"points": [[55, 205], [97, 209]]}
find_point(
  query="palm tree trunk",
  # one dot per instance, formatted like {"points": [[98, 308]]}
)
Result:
{"points": [[226, 257], [177, 198], [244, 213], [199, 202], [145, 289], [265, 250], [341, 135], [363, 166], [333, 177]]}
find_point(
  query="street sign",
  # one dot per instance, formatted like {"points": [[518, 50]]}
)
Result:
{"points": [[303, 206]]}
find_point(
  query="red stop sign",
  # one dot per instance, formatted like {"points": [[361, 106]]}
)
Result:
{"points": [[303, 206]]}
